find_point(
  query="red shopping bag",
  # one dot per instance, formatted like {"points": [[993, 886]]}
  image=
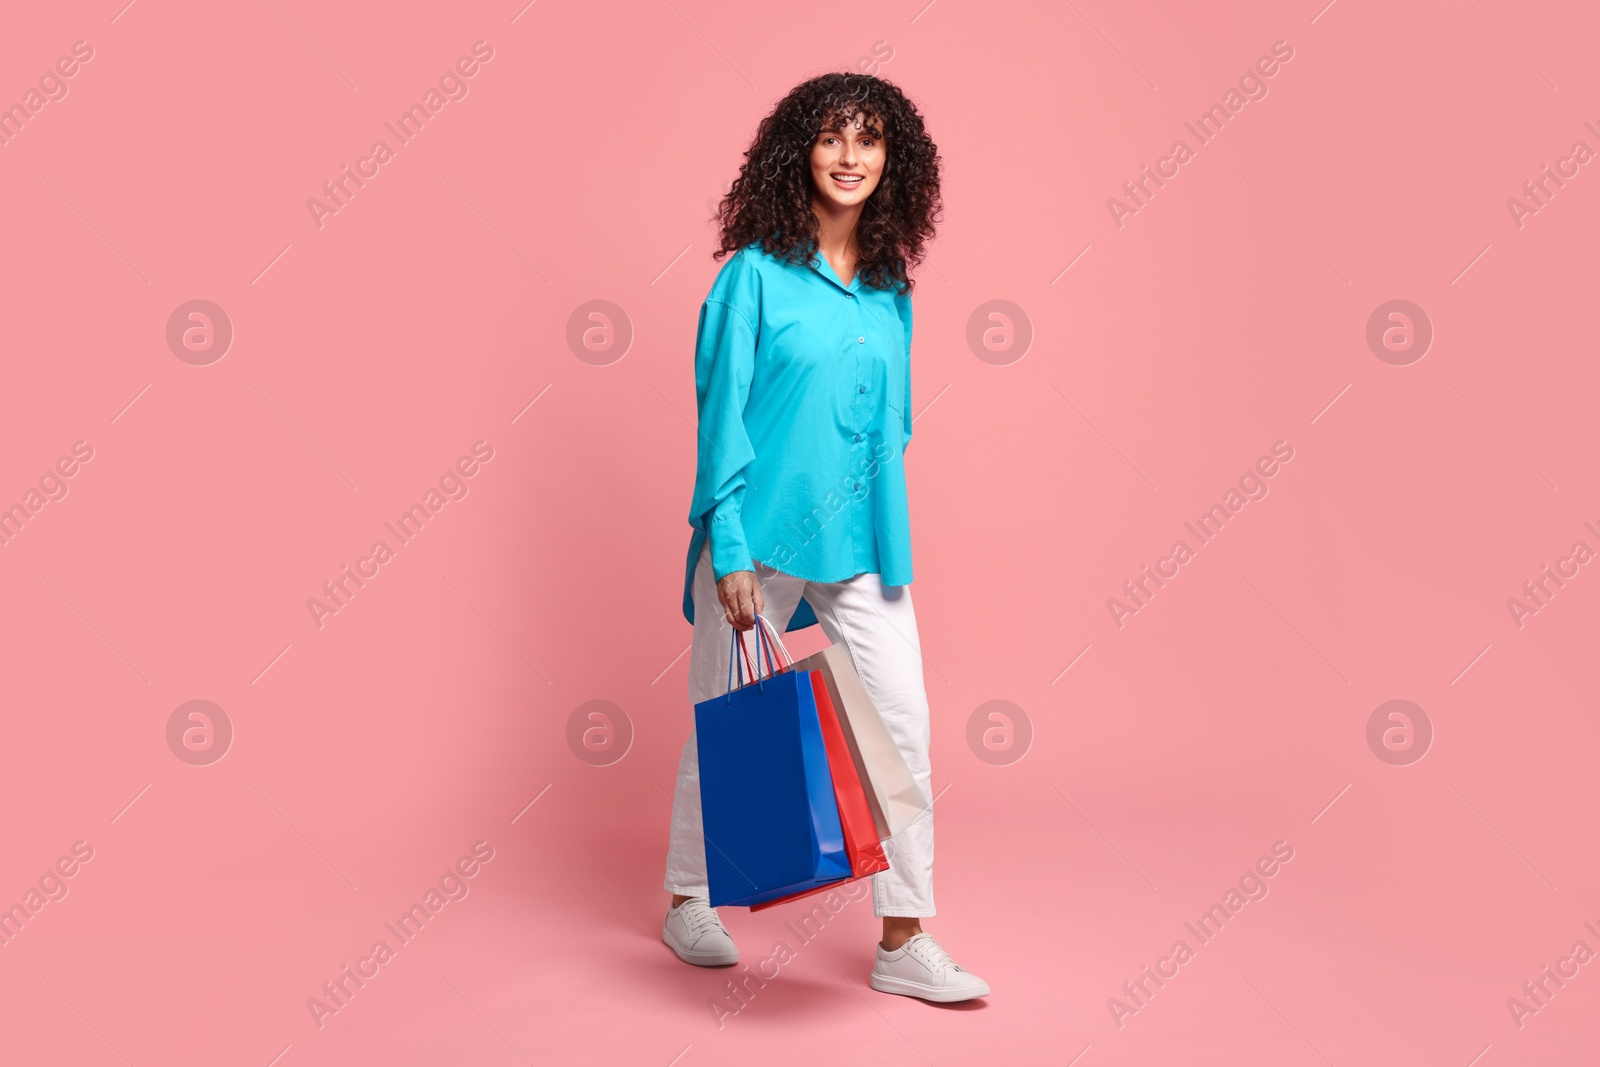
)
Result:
{"points": [[862, 846]]}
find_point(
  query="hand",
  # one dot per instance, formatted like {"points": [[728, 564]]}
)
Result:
{"points": [[740, 593]]}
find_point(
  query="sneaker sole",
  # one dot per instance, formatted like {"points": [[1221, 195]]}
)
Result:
{"points": [[700, 959], [906, 988]]}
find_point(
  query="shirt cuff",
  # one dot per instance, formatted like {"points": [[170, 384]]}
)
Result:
{"points": [[729, 552]]}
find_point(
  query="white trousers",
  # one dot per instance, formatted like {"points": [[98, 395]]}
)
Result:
{"points": [[876, 625]]}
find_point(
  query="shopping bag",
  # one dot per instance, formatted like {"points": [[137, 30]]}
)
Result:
{"points": [[862, 844], [768, 811], [893, 795]]}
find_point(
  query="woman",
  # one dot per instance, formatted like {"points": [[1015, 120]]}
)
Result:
{"points": [[803, 377]]}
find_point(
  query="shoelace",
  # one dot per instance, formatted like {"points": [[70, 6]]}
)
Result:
{"points": [[930, 952], [702, 918]]}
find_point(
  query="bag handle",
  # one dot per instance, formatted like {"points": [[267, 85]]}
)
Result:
{"points": [[745, 653], [774, 641], [762, 625], [739, 656]]}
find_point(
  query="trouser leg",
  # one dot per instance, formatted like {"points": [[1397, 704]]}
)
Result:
{"points": [[708, 677], [878, 627]]}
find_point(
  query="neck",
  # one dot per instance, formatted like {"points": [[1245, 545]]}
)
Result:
{"points": [[836, 227]]}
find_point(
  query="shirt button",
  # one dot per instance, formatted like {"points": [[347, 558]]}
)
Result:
{"points": [[858, 485], [863, 389], [852, 296], [858, 437], [861, 340]]}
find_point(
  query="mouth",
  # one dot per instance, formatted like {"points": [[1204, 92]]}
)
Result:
{"points": [[847, 181]]}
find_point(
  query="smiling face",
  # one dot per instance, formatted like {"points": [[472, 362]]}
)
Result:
{"points": [[847, 163]]}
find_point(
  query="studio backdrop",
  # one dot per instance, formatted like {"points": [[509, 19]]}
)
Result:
{"points": [[347, 436]]}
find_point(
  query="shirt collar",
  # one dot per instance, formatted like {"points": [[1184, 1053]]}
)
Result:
{"points": [[820, 264]]}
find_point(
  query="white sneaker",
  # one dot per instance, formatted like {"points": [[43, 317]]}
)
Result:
{"points": [[697, 935], [920, 968]]}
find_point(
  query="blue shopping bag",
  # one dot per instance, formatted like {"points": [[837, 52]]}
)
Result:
{"points": [[768, 812]]}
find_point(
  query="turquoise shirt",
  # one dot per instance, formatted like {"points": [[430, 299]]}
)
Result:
{"points": [[804, 391]]}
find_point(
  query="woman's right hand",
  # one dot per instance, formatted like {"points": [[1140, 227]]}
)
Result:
{"points": [[740, 593]]}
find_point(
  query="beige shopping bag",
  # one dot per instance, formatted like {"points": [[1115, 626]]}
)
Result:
{"points": [[892, 793]]}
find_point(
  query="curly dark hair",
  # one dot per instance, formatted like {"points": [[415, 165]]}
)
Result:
{"points": [[770, 200]]}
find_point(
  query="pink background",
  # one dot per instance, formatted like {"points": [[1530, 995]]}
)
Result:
{"points": [[369, 354]]}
